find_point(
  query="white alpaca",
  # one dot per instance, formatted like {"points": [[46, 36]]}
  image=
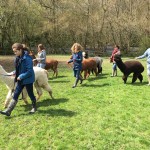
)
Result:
{"points": [[41, 81]]}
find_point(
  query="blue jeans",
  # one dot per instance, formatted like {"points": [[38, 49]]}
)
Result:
{"points": [[114, 66], [77, 73], [19, 88], [41, 65]]}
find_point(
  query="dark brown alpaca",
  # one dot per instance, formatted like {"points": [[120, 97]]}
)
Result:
{"points": [[129, 67]]}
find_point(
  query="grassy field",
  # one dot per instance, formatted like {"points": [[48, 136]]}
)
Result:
{"points": [[101, 114]]}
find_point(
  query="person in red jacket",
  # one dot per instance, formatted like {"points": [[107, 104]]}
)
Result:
{"points": [[116, 51]]}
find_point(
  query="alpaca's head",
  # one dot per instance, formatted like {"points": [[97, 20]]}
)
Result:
{"points": [[85, 55], [117, 58]]}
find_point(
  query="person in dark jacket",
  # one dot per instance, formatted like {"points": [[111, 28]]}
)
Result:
{"points": [[77, 62], [24, 77]]}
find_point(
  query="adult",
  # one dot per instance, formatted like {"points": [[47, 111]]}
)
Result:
{"points": [[24, 77], [146, 54]]}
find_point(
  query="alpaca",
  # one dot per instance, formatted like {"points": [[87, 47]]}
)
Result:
{"points": [[98, 60], [41, 81], [87, 66], [53, 65], [129, 67]]}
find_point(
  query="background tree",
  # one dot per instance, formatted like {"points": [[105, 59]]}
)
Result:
{"points": [[59, 23]]}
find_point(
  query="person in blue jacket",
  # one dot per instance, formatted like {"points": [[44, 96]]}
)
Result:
{"points": [[24, 77], [77, 62]]}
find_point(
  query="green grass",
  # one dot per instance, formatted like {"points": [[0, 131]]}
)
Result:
{"points": [[101, 114]]}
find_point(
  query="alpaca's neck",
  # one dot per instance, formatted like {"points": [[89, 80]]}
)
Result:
{"points": [[121, 66], [8, 80]]}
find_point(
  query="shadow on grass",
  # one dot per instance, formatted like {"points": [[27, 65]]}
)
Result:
{"points": [[58, 77], [45, 103], [137, 83], [95, 78], [104, 74], [93, 85], [51, 81], [57, 112], [50, 112]]}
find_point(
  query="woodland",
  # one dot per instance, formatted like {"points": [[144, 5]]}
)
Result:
{"points": [[59, 23]]}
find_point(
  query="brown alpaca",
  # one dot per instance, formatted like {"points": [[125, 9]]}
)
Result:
{"points": [[53, 65], [87, 66]]}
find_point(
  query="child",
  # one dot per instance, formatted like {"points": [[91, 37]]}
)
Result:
{"points": [[24, 76], [77, 62], [41, 56]]}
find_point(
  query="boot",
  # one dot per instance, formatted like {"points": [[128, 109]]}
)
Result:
{"points": [[34, 108], [75, 84], [10, 108]]}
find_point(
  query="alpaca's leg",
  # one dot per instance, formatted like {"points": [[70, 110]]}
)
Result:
{"points": [[56, 72], [8, 98], [38, 90], [53, 72], [24, 96], [85, 74], [48, 89], [125, 78], [134, 77], [99, 68], [88, 73], [140, 77], [95, 71]]}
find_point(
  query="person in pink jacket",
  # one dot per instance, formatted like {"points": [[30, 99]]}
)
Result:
{"points": [[116, 51]]}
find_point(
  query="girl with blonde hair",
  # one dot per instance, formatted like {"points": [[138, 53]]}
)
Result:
{"points": [[77, 62]]}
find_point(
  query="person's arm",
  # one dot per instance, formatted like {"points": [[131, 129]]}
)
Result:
{"points": [[29, 68], [70, 61], [118, 52], [142, 56]]}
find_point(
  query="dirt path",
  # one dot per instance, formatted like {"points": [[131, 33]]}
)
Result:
{"points": [[8, 61]]}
